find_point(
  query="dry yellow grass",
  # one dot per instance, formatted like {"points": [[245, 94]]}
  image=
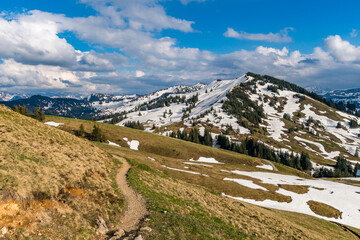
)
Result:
{"points": [[323, 209], [299, 189], [52, 181]]}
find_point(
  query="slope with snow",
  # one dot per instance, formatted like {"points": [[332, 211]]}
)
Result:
{"points": [[342, 197]]}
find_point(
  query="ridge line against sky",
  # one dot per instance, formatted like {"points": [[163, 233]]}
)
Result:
{"points": [[138, 46]]}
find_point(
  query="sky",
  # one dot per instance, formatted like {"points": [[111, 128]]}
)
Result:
{"points": [[78, 47]]}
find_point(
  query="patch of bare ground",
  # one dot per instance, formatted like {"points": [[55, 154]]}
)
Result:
{"points": [[317, 188], [299, 189], [323, 209]]}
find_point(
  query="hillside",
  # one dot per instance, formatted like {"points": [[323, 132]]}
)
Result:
{"points": [[281, 115], [52, 182], [230, 174]]}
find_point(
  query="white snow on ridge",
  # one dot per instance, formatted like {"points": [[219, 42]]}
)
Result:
{"points": [[267, 167], [348, 137], [113, 144], [134, 144], [330, 156], [206, 160], [53, 124], [343, 197]]}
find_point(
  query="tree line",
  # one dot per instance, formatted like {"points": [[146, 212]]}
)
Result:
{"points": [[258, 149], [38, 114], [343, 168]]}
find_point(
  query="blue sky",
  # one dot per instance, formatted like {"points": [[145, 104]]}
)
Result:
{"points": [[138, 46]]}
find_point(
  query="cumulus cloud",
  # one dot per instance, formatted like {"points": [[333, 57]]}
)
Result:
{"points": [[342, 50], [280, 37], [35, 57]]}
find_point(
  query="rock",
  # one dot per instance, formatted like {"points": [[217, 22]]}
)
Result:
{"points": [[146, 229], [139, 237], [4, 231], [116, 234], [102, 228]]}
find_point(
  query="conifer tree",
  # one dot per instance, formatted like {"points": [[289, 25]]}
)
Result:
{"points": [[207, 138], [81, 132]]}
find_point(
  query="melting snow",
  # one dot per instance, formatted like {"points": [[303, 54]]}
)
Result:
{"points": [[267, 167], [343, 197], [53, 124], [206, 160], [134, 144], [113, 144]]}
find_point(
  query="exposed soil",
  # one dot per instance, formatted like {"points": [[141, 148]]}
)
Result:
{"points": [[135, 203]]}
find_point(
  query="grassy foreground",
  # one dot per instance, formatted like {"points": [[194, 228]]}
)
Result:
{"points": [[184, 206], [180, 210], [53, 185]]}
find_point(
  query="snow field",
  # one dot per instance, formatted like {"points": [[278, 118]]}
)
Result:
{"points": [[343, 197]]}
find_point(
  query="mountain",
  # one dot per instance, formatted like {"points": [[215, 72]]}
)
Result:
{"points": [[281, 115], [345, 95], [67, 107], [237, 164], [4, 96]]}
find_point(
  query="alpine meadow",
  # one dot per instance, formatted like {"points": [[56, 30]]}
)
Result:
{"points": [[179, 119]]}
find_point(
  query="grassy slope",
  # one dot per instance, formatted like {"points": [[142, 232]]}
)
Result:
{"points": [[52, 182], [179, 209]]}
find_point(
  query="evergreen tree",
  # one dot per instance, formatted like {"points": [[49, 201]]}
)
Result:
{"points": [[305, 161], [97, 135], [339, 125], [207, 138], [81, 132]]}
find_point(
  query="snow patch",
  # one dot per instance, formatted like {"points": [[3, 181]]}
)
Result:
{"points": [[53, 124], [206, 160], [113, 144]]}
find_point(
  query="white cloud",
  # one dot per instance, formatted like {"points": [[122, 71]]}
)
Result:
{"points": [[342, 50], [36, 58], [281, 36], [145, 15], [139, 74]]}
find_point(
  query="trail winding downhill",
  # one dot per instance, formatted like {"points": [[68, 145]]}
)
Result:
{"points": [[135, 203]]}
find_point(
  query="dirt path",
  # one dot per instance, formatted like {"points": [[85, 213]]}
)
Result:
{"points": [[135, 203], [270, 163]]}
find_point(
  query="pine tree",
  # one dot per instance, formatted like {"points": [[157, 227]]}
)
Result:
{"points": [[97, 135], [39, 114], [207, 138], [305, 161], [81, 132]]}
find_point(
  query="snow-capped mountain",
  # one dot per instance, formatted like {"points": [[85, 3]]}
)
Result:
{"points": [[345, 95], [5, 96], [281, 115]]}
